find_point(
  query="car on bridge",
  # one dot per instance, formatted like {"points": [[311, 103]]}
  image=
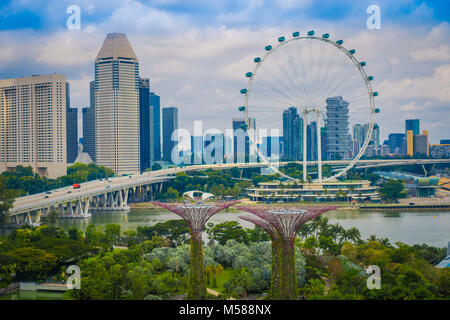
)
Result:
{"points": [[76, 186]]}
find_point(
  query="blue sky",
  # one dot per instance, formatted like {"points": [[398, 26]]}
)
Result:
{"points": [[195, 51]]}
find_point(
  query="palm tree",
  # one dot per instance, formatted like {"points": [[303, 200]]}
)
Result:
{"points": [[354, 235], [243, 278], [216, 271]]}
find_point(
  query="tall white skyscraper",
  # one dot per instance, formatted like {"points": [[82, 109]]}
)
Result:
{"points": [[33, 124], [117, 106]]}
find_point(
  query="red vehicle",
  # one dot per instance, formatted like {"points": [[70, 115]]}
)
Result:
{"points": [[76, 186]]}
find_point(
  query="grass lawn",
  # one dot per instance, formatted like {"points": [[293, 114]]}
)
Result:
{"points": [[221, 280]]}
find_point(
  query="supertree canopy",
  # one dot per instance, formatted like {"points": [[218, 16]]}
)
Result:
{"points": [[286, 221], [196, 215]]}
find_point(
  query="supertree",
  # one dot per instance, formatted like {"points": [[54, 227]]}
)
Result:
{"points": [[286, 220], [276, 254], [196, 215]]}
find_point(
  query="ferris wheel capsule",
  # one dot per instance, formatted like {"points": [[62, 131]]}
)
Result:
{"points": [[362, 63], [325, 36], [281, 39], [377, 110], [248, 74], [244, 91], [375, 94], [296, 34], [257, 59], [340, 42], [241, 108], [370, 78], [268, 48], [311, 33], [352, 51]]}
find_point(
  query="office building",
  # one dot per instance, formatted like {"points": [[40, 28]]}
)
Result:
{"points": [[117, 106], [311, 141], [71, 128], [271, 147], [216, 148], [444, 141], [241, 140], [410, 143], [420, 144], [170, 124], [89, 124], [197, 149], [395, 142], [337, 128], [155, 127], [144, 122], [33, 124], [292, 135], [412, 124]]}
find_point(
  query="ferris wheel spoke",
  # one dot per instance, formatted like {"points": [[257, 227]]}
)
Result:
{"points": [[269, 88], [287, 85]]}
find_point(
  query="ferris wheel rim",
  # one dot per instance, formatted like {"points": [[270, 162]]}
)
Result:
{"points": [[364, 76]]}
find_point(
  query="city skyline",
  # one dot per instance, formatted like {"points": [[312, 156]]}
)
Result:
{"points": [[172, 63]]}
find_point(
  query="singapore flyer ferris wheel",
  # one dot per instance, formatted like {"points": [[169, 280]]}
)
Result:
{"points": [[311, 89]]}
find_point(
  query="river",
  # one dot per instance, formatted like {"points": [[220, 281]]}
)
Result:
{"points": [[410, 227]]}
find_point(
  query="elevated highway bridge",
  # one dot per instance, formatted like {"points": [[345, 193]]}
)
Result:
{"points": [[113, 194]]}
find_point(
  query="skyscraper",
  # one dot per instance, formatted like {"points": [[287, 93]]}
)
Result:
{"points": [[89, 124], [155, 128], [292, 134], [170, 124], [144, 122], [336, 128], [117, 106], [420, 144], [239, 124], [395, 141], [358, 134], [311, 141], [33, 124], [71, 128], [412, 124]]}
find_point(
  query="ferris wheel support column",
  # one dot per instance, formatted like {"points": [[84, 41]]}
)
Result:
{"points": [[305, 165], [319, 148]]}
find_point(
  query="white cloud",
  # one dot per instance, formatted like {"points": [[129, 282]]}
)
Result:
{"points": [[439, 54]]}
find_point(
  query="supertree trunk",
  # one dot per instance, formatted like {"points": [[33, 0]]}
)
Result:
{"points": [[196, 215], [288, 287], [196, 287], [275, 283]]}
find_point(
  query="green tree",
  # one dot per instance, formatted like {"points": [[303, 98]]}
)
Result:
{"points": [[391, 190], [227, 230], [6, 200]]}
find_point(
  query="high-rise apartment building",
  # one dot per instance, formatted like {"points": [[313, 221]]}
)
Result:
{"points": [[71, 128], [117, 106], [33, 124], [292, 134], [89, 124], [155, 128], [336, 125], [170, 124]]}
